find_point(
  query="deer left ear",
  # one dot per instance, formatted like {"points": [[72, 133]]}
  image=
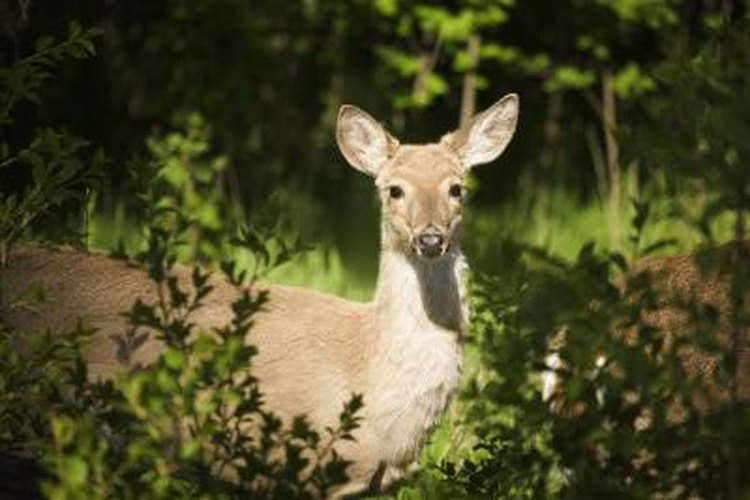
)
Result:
{"points": [[365, 144], [488, 133]]}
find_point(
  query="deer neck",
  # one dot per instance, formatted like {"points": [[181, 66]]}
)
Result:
{"points": [[414, 295], [419, 314]]}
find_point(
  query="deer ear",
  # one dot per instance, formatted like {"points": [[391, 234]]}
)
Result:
{"points": [[487, 134], [365, 144]]}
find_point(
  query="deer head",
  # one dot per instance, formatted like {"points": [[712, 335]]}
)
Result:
{"points": [[421, 187]]}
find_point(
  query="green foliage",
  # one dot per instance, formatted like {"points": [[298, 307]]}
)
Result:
{"points": [[631, 81], [610, 429], [698, 122], [54, 158], [191, 423], [512, 456], [446, 32], [181, 190], [445, 29], [38, 171], [58, 175], [22, 79], [570, 77], [34, 381], [654, 13], [631, 416]]}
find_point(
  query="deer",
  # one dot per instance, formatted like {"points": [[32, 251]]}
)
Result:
{"points": [[401, 351], [683, 285]]}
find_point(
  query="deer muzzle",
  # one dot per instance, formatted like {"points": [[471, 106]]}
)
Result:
{"points": [[430, 243]]}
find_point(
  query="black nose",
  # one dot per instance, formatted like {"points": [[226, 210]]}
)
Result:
{"points": [[430, 243]]}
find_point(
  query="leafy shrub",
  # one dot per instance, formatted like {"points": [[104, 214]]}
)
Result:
{"points": [[47, 168], [59, 171]]}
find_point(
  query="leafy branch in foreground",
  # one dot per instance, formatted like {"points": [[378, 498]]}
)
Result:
{"points": [[59, 174], [24, 77]]}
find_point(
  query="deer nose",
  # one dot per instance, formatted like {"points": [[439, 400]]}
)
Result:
{"points": [[430, 243]]}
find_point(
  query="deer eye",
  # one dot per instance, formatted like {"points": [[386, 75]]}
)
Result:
{"points": [[456, 191], [395, 192]]}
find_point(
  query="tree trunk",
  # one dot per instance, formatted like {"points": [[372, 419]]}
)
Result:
{"points": [[552, 118], [469, 93], [597, 158], [611, 153]]}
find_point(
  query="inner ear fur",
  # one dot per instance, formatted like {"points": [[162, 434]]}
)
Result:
{"points": [[364, 142], [487, 134]]}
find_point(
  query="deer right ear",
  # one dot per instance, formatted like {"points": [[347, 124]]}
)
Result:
{"points": [[488, 133], [365, 144]]}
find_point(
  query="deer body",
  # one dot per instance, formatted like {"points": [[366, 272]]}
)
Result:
{"points": [[683, 288], [401, 351]]}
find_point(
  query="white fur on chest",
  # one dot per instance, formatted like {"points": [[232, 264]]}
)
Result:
{"points": [[418, 361], [423, 374]]}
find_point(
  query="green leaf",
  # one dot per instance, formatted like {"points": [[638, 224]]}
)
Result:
{"points": [[387, 8], [76, 471], [631, 81], [74, 29], [44, 43], [569, 77], [173, 359]]}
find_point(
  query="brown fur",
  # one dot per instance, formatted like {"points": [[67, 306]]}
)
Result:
{"points": [[681, 286]]}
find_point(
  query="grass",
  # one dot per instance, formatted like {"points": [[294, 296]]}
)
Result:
{"points": [[322, 268], [561, 224]]}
